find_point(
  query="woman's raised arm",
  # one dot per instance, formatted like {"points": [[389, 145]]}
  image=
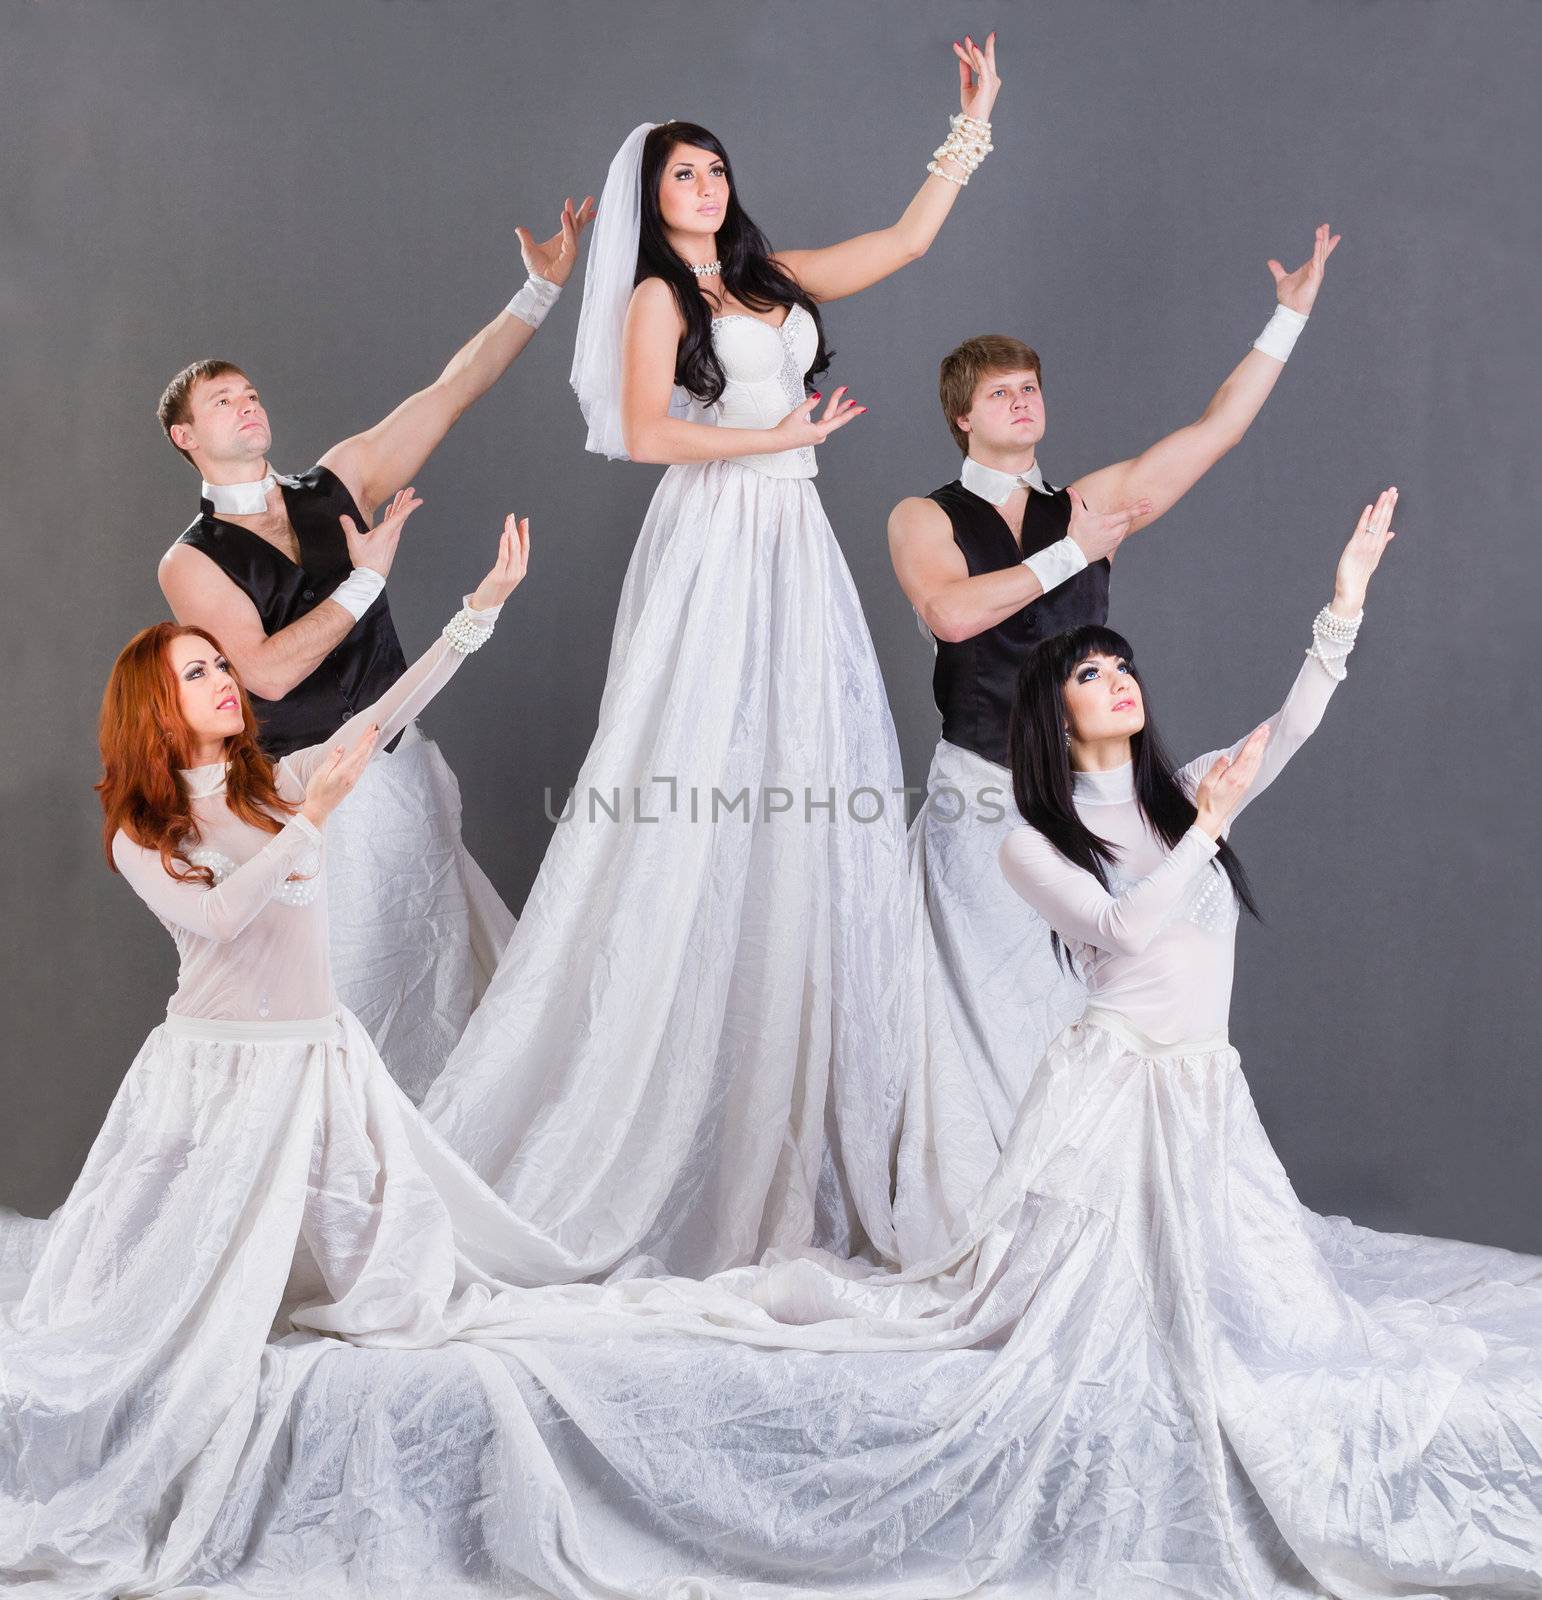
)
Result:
{"points": [[1333, 637], [320, 764], [854, 264]]}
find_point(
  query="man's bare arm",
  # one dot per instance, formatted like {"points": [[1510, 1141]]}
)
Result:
{"points": [[270, 665], [935, 577], [1168, 469], [376, 463], [201, 595], [955, 606]]}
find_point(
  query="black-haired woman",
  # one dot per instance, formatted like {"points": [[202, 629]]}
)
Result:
{"points": [[698, 1043], [1126, 856]]}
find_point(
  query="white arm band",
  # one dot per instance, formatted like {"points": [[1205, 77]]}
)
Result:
{"points": [[534, 300], [358, 591], [1280, 333], [1055, 563]]}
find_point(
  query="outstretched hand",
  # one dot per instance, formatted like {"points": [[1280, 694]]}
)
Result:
{"points": [[1099, 533], [510, 567], [1298, 289], [553, 259], [978, 83], [1223, 787], [1362, 555], [375, 547], [801, 427], [332, 782]]}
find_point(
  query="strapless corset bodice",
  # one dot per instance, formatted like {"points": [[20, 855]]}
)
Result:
{"points": [[764, 367]]}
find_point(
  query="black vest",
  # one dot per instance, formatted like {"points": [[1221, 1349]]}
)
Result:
{"points": [[975, 680], [357, 671]]}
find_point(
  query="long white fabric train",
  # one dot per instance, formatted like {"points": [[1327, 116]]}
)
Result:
{"points": [[708, 1035]]}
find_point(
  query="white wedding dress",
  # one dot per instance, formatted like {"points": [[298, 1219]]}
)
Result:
{"points": [[707, 1036]]}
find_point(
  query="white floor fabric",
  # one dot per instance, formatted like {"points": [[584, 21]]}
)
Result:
{"points": [[1144, 1370]]}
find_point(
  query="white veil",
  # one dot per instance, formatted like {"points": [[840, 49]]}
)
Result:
{"points": [[609, 278]]}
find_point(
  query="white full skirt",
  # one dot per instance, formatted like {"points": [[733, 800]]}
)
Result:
{"points": [[702, 1037], [416, 928], [1143, 1370]]}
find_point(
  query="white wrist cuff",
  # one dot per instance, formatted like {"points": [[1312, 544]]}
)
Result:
{"points": [[358, 591], [534, 300], [1280, 333], [1055, 563]]}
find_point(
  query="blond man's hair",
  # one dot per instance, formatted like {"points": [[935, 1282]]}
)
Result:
{"points": [[974, 359]]}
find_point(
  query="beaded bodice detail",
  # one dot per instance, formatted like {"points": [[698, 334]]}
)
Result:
{"points": [[1209, 902], [299, 890], [764, 366]]}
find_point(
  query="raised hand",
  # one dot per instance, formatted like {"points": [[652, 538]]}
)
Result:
{"points": [[1100, 533], [553, 259], [375, 547], [1298, 289], [801, 427], [978, 84], [1362, 555], [332, 782], [510, 567], [1222, 788]]}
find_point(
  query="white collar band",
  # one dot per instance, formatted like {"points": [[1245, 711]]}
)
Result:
{"points": [[204, 781], [243, 499], [1111, 788], [990, 483]]}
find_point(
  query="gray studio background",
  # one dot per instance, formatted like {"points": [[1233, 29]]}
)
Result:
{"points": [[327, 192]]}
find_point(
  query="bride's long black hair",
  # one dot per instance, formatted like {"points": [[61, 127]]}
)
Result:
{"points": [[1041, 763], [749, 274]]}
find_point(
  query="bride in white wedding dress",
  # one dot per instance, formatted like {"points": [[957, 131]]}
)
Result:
{"points": [[706, 1037]]}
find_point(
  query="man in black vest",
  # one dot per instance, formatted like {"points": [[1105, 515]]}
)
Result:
{"points": [[993, 562], [286, 572]]}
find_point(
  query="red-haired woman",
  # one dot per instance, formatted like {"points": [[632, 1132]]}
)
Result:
{"points": [[258, 1167]]}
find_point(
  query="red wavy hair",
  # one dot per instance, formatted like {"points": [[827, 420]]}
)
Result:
{"points": [[144, 740]]}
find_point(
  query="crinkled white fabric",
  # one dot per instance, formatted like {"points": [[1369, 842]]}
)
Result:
{"points": [[1007, 997], [416, 928], [1144, 1370], [703, 1034]]}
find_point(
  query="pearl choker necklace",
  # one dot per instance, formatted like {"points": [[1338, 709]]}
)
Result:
{"points": [[710, 270]]}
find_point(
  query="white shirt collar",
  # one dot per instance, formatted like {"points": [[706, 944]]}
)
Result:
{"points": [[996, 486], [1111, 788], [243, 499]]}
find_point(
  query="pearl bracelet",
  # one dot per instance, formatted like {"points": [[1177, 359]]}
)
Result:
{"points": [[464, 633], [967, 145], [1331, 625], [1333, 637]]}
